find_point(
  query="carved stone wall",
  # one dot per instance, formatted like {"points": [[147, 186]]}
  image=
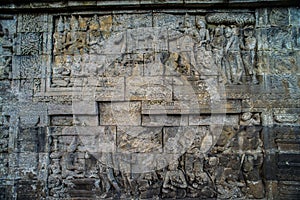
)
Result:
{"points": [[186, 102]]}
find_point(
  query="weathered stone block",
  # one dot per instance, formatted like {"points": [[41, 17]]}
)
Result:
{"points": [[86, 120], [139, 139], [148, 88], [28, 140], [213, 119], [25, 164], [178, 140], [59, 109], [120, 113], [157, 107], [84, 108], [61, 120], [110, 89], [165, 120], [153, 65], [95, 139]]}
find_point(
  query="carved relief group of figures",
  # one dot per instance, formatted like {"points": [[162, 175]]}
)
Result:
{"points": [[234, 55], [231, 47], [77, 36], [193, 175]]}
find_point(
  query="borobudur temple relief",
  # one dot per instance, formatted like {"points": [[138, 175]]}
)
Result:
{"points": [[149, 99]]}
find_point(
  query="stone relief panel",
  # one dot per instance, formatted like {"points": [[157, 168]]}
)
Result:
{"points": [[7, 38], [145, 73], [149, 105]]}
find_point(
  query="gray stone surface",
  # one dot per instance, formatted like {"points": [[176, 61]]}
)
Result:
{"points": [[149, 99]]}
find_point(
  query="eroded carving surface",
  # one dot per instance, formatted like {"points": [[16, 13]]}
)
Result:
{"points": [[150, 105]]}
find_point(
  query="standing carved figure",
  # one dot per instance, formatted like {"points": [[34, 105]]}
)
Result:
{"points": [[94, 36], [59, 37], [108, 180], [233, 51], [218, 44], [174, 183], [249, 48], [204, 38]]}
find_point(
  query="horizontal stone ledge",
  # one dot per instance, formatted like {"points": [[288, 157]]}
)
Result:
{"points": [[17, 6], [190, 107], [165, 120]]}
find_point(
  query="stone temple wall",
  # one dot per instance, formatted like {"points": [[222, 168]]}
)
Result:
{"points": [[149, 99]]}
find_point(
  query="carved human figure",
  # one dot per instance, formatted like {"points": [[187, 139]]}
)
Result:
{"points": [[72, 168], [149, 185], [249, 48], [230, 187], [5, 64], [75, 41], [249, 119], [251, 171], [68, 63], [5, 37], [199, 181], [203, 34], [59, 37], [37, 85], [94, 36], [174, 182], [233, 51], [108, 179], [82, 23], [218, 44], [186, 43], [76, 66], [55, 185]]}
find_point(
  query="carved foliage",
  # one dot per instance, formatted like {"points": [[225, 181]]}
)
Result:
{"points": [[32, 23]]}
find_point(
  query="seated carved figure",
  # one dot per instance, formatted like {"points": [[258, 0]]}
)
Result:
{"points": [[174, 183]]}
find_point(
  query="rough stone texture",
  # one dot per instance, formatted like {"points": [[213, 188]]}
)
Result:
{"points": [[149, 99]]}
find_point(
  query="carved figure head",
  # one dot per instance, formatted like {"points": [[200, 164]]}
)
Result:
{"points": [[228, 32], [249, 31], [236, 31], [60, 25], [173, 166], [94, 23], [82, 23], [213, 161], [74, 23], [201, 24], [246, 116], [218, 31], [187, 21]]}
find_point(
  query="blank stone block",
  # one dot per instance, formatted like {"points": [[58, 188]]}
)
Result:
{"points": [[120, 113]]}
